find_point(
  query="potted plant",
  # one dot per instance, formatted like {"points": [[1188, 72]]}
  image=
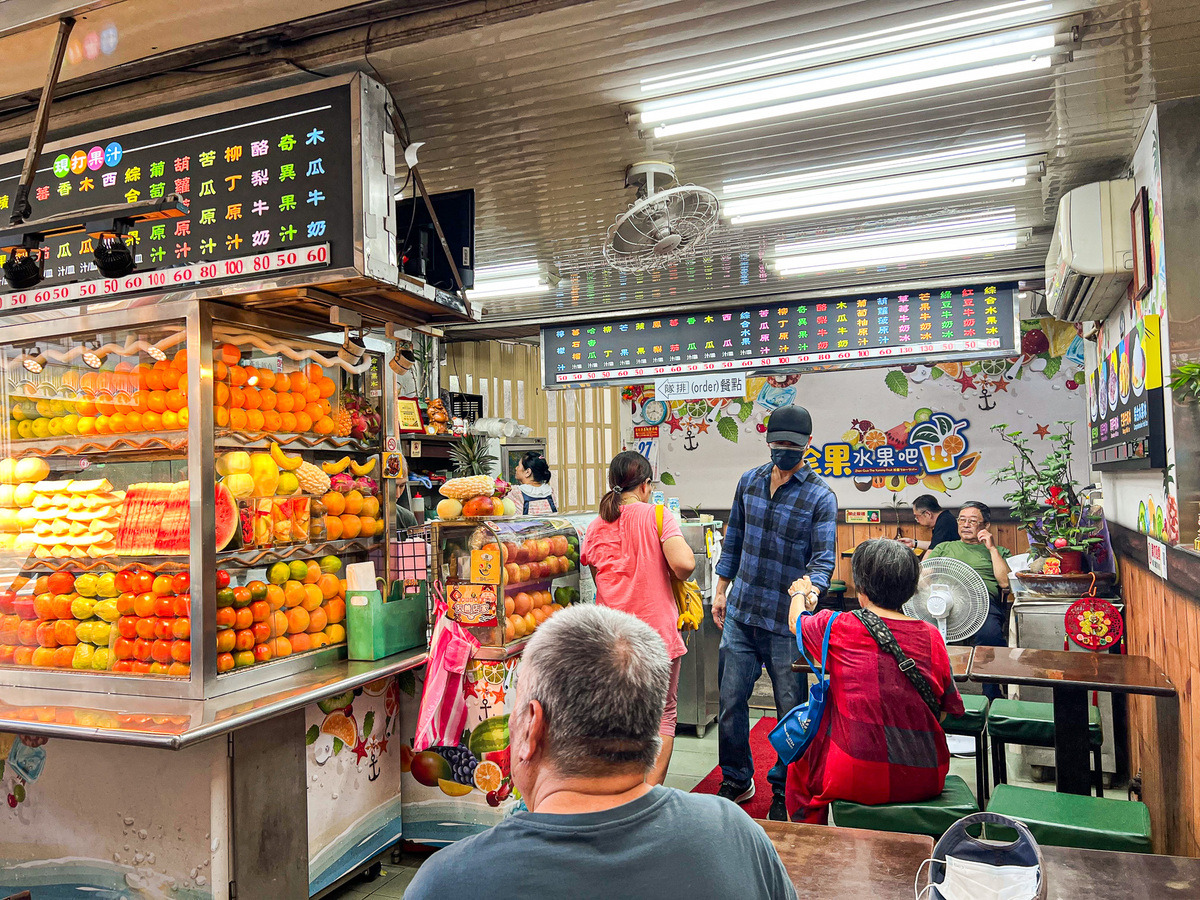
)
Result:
{"points": [[1045, 498]]}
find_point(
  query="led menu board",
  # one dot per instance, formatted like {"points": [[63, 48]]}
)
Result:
{"points": [[841, 332], [1125, 403], [268, 186]]}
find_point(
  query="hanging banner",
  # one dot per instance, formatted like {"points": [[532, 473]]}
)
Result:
{"points": [[844, 332]]}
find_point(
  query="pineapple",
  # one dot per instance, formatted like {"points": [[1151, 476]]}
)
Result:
{"points": [[341, 422], [470, 457]]}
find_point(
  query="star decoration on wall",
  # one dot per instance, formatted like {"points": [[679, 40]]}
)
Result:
{"points": [[965, 381], [702, 427], [1041, 431], [1000, 384], [675, 424]]}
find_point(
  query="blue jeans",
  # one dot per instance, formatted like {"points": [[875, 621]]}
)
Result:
{"points": [[991, 635], [745, 650]]}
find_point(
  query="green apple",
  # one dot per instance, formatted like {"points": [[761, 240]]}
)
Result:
{"points": [[82, 607]]}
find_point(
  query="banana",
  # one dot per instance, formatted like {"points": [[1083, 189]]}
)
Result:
{"points": [[335, 468], [366, 468], [285, 462]]}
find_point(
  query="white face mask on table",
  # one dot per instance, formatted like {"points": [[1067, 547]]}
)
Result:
{"points": [[969, 880]]}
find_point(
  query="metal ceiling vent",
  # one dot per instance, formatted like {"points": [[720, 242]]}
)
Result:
{"points": [[666, 223]]}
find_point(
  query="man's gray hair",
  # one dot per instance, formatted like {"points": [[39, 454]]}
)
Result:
{"points": [[601, 676]]}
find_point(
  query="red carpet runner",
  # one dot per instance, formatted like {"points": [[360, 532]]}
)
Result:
{"points": [[764, 757]]}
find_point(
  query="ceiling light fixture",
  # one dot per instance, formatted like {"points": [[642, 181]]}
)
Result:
{"points": [[912, 251], [154, 353], [91, 356], [113, 255], [877, 78], [913, 187], [32, 361], [741, 187], [512, 279], [973, 223], [957, 24], [22, 263]]}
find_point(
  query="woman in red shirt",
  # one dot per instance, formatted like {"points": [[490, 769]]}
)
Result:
{"points": [[632, 564], [878, 741]]}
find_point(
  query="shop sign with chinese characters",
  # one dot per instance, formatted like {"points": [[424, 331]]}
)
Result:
{"points": [[700, 387], [931, 447], [269, 187], [903, 327]]}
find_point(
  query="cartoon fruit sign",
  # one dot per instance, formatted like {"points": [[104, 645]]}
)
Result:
{"points": [[940, 442]]}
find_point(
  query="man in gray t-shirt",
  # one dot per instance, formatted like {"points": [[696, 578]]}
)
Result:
{"points": [[584, 735]]}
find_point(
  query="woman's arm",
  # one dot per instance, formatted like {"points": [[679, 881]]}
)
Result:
{"points": [[680, 558]]}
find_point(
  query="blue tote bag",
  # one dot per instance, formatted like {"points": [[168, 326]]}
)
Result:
{"points": [[796, 730]]}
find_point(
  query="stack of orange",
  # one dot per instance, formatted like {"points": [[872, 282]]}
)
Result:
{"points": [[263, 401], [351, 515], [148, 397]]}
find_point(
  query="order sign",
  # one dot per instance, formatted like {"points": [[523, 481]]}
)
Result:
{"points": [[167, 279]]}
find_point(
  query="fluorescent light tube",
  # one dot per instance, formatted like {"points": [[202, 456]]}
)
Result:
{"points": [[1004, 218], [1033, 63], [931, 250], [508, 270], [508, 287], [876, 192], [827, 174], [940, 28]]}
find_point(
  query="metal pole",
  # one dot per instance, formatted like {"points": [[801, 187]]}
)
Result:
{"points": [[21, 207]]}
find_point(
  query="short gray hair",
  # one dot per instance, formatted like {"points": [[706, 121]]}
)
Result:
{"points": [[601, 676]]}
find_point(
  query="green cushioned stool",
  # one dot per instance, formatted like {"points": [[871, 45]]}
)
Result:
{"points": [[1071, 820], [931, 817], [973, 723], [1032, 723]]}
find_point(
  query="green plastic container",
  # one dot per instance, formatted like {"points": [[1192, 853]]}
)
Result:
{"points": [[376, 628]]}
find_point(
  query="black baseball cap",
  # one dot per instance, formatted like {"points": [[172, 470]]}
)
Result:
{"points": [[789, 423]]}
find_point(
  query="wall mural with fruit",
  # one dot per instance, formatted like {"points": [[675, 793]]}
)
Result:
{"points": [[881, 436], [451, 792], [355, 755]]}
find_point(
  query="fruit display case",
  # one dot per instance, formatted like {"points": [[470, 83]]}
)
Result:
{"points": [[147, 445], [503, 577]]}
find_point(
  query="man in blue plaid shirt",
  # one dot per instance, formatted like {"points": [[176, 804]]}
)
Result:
{"points": [[783, 526]]}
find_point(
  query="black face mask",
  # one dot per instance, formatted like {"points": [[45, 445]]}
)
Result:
{"points": [[786, 460]]}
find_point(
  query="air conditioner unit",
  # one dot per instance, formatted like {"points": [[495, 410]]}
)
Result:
{"points": [[1090, 261]]}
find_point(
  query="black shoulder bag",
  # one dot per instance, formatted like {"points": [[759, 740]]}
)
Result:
{"points": [[887, 643]]}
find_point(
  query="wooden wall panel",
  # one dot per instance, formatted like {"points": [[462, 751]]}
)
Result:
{"points": [[1163, 623], [581, 425]]}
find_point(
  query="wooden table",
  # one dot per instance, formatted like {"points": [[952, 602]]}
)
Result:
{"points": [[833, 863], [1071, 676], [1072, 874], [960, 661]]}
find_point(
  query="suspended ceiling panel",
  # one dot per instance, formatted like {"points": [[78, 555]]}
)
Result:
{"points": [[531, 114]]}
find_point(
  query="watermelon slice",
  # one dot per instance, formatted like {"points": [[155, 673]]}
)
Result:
{"points": [[227, 521]]}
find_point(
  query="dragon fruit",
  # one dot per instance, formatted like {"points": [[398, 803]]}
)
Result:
{"points": [[366, 486], [365, 421], [343, 482], [502, 488]]}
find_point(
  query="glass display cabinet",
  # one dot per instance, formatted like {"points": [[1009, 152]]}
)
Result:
{"points": [[181, 487], [502, 578]]}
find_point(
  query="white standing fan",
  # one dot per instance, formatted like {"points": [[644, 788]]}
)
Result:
{"points": [[666, 223], [953, 597]]}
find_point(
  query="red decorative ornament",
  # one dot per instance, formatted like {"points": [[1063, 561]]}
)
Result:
{"points": [[1094, 624]]}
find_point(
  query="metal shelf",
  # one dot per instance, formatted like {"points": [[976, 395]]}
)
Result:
{"points": [[253, 557], [157, 443], [224, 439]]}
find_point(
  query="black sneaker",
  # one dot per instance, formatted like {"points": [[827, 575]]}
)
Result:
{"points": [[731, 791], [778, 811]]}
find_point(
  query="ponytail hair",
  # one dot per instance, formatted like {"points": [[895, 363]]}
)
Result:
{"points": [[628, 471]]}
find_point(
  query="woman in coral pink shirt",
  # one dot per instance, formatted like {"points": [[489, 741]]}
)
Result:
{"points": [[632, 565]]}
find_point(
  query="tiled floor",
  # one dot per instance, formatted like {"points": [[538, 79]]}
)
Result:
{"points": [[692, 759]]}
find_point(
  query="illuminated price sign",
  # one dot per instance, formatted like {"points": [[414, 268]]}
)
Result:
{"points": [[905, 327], [269, 187]]}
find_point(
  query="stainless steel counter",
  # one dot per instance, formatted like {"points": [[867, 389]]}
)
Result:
{"points": [[172, 724]]}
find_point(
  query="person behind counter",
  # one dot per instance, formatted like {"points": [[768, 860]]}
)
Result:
{"points": [[929, 514], [585, 735], [533, 481], [878, 741], [632, 560], [783, 525]]}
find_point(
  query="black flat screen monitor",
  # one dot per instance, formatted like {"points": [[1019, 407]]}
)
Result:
{"points": [[421, 253]]}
